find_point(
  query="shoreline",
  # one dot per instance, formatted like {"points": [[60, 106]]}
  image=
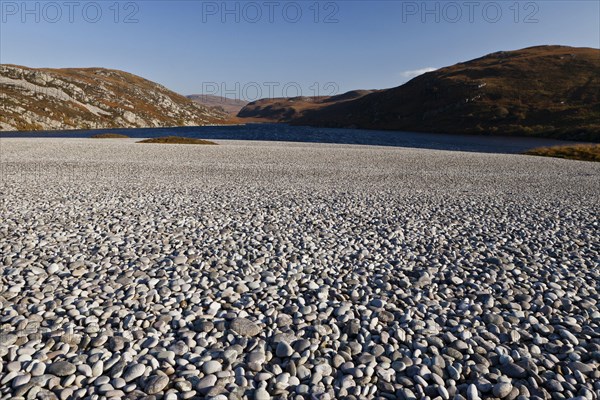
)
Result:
{"points": [[288, 133]]}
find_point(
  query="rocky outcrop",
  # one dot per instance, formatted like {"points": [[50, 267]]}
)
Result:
{"points": [[92, 98]]}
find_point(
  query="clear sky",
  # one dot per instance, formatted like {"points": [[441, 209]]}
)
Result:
{"points": [[272, 48]]}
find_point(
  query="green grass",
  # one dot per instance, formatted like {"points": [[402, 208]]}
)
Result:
{"points": [[110, 136], [582, 152], [177, 140]]}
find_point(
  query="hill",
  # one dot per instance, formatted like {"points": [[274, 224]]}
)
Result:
{"points": [[92, 98], [549, 91], [290, 109], [223, 104]]}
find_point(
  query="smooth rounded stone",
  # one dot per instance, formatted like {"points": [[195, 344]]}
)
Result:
{"points": [[387, 375], [168, 356], [38, 369], [203, 326], [302, 372], [66, 394], [584, 368], [150, 343], [385, 316], [133, 372], [263, 376], [323, 369], [98, 368], [284, 350], [78, 272], [185, 386], [102, 389], [85, 369], [502, 389], [156, 383], [205, 384], [261, 394], [443, 392], [116, 343], [8, 377], [353, 327], [514, 371], [553, 385], [302, 345], [569, 337], [118, 383], [255, 360], [101, 380], [472, 393], [99, 341], [284, 320], [457, 355], [115, 394], [453, 372], [230, 356], [7, 339], [20, 380], [52, 269], [245, 327], [14, 366], [61, 368], [212, 367], [490, 318], [180, 260]]}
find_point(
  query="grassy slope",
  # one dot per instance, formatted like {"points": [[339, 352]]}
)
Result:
{"points": [[549, 91], [176, 140], [583, 152]]}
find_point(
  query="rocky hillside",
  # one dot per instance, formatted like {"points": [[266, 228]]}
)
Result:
{"points": [[550, 91], [290, 109], [92, 98], [223, 104]]}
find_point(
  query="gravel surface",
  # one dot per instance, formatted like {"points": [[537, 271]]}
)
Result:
{"points": [[271, 270]]}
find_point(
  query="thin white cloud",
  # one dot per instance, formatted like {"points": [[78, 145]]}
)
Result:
{"points": [[416, 72]]}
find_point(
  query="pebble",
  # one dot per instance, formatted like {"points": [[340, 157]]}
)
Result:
{"points": [[61, 368], [261, 394], [133, 372], [156, 383], [245, 327], [284, 350], [259, 270], [502, 389], [211, 367]]}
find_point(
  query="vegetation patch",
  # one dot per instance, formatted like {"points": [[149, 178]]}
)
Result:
{"points": [[110, 136], [176, 140], [583, 152]]}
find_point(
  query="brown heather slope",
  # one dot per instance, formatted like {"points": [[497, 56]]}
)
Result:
{"points": [[92, 98], [223, 104], [549, 91], [290, 109]]}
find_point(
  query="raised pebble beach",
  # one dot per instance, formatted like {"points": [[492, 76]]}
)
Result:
{"points": [[256, 270]]}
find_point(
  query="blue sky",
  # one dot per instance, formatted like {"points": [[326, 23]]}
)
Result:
{"points": [[256, 49]]}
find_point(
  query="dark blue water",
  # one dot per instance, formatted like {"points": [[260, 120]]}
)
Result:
{"points": [[286, 133]]}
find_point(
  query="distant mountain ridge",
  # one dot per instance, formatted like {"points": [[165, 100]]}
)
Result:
{"points": [[545, 91], [92, 98], [224, 104], [293, 108]]}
